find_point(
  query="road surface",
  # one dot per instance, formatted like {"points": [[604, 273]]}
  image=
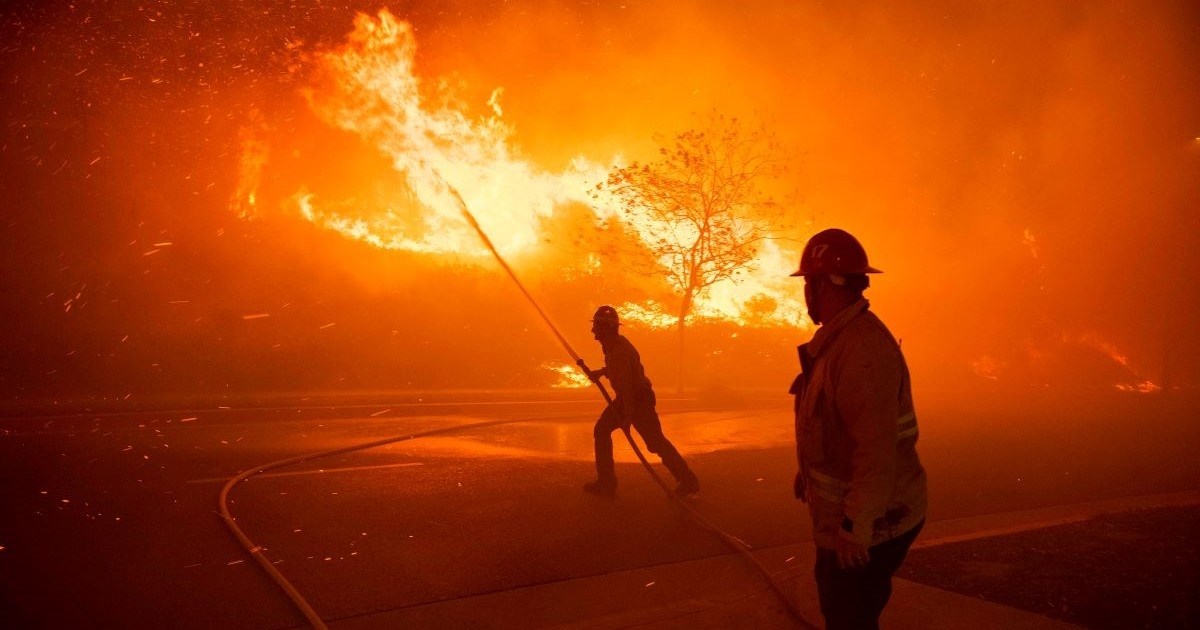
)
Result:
{"points": [[110, 520]]}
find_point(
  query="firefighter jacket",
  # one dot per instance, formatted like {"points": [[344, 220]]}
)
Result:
{"points": [[856, 432], [623, 367]]}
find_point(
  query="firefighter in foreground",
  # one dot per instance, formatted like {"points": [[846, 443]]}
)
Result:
{"points": [[633, 404], [856, 436]]}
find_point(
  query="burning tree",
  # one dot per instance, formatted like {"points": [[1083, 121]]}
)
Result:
{"points": [[701, 209]]}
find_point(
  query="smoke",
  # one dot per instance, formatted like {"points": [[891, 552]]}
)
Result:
{"points": [[1022, 172], [1025, 173]]}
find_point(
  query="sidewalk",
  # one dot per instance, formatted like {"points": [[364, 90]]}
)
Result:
{"points": [[713, 593], [726, 592]]}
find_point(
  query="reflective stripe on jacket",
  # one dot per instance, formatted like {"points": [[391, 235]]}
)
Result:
{"points": [[856, 431]]}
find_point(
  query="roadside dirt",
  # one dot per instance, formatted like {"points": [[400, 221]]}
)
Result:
{"points": [[1136, 569]]}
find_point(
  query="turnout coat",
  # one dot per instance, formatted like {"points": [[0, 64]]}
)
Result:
{"points": [[856, 432]]}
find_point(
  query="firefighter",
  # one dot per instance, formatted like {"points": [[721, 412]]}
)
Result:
{"points": [[856, 436], [633, 404]]}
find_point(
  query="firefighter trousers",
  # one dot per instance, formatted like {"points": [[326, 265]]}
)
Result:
{"points": [[853, 599], [646, 422]]}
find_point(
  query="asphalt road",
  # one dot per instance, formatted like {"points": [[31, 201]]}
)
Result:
{"points": [[110, 520]]}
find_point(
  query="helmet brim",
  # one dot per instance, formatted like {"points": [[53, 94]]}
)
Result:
{"points": [[800, 272]]}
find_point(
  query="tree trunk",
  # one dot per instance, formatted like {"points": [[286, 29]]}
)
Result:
{"points": [[685, 307]]}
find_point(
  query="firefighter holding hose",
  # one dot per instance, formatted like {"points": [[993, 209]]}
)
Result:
{"points": [[856, 436], [633, 405]]}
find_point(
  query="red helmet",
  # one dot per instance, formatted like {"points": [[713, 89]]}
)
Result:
{"points": [[606, 315], [833, 251]]}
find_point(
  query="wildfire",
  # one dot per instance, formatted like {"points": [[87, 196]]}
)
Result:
{"points": [[1139, 385], [649, 313], [369, 87], [764, 298], [372, 90], [569, 376], [1107, 348], [1129, 379]]}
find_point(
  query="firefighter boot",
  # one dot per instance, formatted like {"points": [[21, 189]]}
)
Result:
{"points": [[604, 487], [687, 486]]}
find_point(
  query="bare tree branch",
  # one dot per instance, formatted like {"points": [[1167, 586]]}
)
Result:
{"points": [[700, 208]]}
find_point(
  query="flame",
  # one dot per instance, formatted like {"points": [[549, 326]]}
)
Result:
{"points": [[368, 86], [650, 313], [768, 297], [569, 376], [765, 297], [1107, 348], [1144, 387], [375, 93], [1061, 360], [250, 167], [1139, 385]]}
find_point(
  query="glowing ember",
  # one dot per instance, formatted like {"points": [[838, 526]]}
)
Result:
{"points": [[986, 367], [1144, 387]]}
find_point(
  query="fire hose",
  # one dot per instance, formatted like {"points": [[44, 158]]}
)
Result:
{"points": [[256, 551], [735, 543]]}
